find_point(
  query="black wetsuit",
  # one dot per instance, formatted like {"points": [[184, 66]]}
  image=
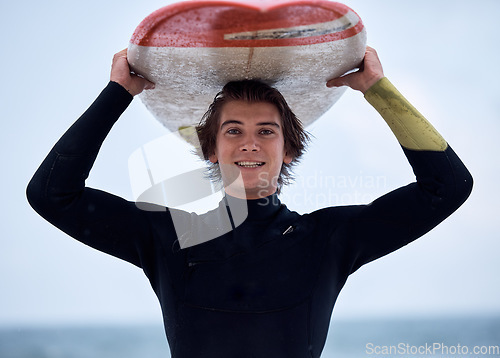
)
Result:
{"points": [[255, 291]]}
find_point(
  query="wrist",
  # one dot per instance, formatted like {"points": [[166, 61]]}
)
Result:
{"points": [[370, 83], [124, 89]]}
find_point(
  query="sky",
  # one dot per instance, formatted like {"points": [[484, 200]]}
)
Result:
{"points": [[441, 55]]}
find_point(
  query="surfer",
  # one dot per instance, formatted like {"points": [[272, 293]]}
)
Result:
{"points": [[267, 287]]}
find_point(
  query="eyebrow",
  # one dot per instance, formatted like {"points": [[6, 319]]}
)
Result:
{"points": [[234, 121]]}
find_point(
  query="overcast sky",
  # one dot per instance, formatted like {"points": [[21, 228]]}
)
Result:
{"points": [[442, 55]]}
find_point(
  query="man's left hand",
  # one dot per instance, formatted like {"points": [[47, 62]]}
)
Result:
{"points": [[369, 73]]}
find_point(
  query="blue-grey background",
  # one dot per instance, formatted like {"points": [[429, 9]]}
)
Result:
{"points": [[443, 55]]}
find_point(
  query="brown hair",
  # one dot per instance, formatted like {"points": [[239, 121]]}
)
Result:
{"points": [[295, 136]]}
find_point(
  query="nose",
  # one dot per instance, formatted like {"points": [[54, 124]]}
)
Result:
{"points": [[249, 144]]}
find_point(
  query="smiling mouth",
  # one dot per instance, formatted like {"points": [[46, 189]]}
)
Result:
{"points": [[250, 164]]}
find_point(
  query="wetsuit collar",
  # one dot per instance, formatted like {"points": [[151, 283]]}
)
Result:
{"points": [[258, 209]]}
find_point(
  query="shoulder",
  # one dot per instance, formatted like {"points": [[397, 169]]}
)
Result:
{"points": [[337, 214]]}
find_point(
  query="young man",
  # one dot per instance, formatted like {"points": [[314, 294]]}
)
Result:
{"points": [[266, 287]]}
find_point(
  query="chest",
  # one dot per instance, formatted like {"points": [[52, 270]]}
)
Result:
{"points": [[269, 272]]}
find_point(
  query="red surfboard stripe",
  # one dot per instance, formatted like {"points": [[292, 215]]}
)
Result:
{"points": [[204, 23]]}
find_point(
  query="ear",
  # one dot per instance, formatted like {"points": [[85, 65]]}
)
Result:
{"points": [[213, 158], [287, 159]]}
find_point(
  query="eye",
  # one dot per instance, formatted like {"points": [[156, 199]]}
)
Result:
{"points": [[266, 131], [233, 131]]}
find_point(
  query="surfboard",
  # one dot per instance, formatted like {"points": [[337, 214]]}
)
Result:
{"points": [[191, 49]]}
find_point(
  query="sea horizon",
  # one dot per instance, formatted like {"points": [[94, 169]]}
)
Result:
{"points": [[348, 338]]}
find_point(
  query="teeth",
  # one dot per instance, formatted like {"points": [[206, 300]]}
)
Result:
{"points": [[250, 164]]}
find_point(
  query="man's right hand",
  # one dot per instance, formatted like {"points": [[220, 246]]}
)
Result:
{"points": [[120, 73]]}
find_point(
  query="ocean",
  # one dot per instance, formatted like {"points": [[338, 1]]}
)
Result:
{"points": [[467, 337]]}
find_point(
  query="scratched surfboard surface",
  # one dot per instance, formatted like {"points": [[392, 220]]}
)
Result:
{"points": [[191, 49]]}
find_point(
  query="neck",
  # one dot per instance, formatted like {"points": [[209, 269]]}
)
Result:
{"points": [[253, 209], [248, 194]]}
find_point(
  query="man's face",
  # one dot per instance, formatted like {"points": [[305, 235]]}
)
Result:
{"points": [[250, 143]]}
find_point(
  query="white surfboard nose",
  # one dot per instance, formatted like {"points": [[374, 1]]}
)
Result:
{"points": [[300, 61]]}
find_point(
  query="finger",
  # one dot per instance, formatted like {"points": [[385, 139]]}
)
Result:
{"points": [[342, 81], [362, 66], [149, 85], [336, 82], [119, 56], [140, 83], [122, 53]]}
